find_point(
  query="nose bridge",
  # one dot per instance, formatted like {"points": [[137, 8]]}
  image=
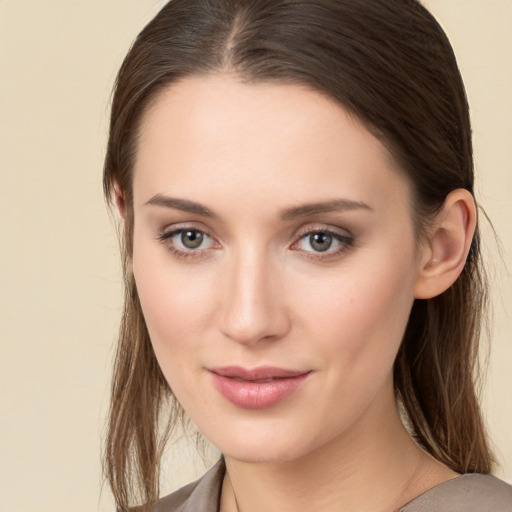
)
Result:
{"points": [[253, 307]]}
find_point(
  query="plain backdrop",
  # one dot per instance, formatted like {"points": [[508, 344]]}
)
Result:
{"points": [[60, 293]]}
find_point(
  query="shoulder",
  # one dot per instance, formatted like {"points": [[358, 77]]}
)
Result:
{"points": [[466, 493], [203, 494]]}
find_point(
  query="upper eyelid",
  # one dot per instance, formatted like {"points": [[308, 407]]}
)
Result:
{"points": [[176, 228], [323, 229], [335, 234], [302, 230]]}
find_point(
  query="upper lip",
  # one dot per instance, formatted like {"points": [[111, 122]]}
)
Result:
{"points": [[259, 373]]}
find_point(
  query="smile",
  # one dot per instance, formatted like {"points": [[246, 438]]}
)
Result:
{"points": [[259, 388]]}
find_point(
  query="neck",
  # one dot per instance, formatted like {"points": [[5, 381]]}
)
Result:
{"points": [[375, 466]]}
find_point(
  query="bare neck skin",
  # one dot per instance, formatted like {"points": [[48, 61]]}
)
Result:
{"points": [[375, 467]]}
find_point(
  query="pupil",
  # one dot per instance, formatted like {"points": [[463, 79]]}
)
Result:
{"points": [[321, 241], [191, 239]]}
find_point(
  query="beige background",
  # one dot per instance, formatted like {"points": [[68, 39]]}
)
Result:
{"points": [[59, 275]]}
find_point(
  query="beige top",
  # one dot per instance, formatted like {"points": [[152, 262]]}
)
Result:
{"points": [[466, 493]]}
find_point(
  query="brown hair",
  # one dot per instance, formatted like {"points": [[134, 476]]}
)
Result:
{"points": [[389, 63]]}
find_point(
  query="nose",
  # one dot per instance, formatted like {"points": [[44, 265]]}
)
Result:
{"points": [[253, 307]]}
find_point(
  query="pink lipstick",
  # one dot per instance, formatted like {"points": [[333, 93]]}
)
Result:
{"points": [[258, 388]]}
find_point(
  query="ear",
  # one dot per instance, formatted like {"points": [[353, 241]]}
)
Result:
{"points": [[444, 253], [120, 203], [119, 200]]}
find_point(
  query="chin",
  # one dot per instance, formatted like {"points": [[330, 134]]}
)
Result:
{"points": [[266, 448]]}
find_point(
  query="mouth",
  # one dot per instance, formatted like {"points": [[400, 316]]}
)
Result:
{"points": [[257, 388]]}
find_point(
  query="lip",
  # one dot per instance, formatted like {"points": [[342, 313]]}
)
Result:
{"points": [[257, 388]]}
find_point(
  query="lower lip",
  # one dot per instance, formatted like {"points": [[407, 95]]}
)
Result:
{"points": [[256, 395]]}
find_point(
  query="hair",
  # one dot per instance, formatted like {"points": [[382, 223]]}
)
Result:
{"points": [[389, 63]]}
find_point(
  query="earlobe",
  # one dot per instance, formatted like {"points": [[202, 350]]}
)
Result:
{"points": [[446, 249]]}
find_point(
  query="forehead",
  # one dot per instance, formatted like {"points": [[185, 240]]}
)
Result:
{"points": [[214, 134]]}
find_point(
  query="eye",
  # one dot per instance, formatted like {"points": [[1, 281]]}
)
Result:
{"points": [[187, 242], [323, 242], [320, 242], [191, 239]]}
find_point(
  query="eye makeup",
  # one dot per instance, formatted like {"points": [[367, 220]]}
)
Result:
{"points": [[186, 241], [325, 244], [318, 243]]}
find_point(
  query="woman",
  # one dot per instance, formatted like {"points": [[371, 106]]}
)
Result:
{"points": [[302, 262]]}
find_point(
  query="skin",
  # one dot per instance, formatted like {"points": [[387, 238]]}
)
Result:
{"points": [[256, 291]]}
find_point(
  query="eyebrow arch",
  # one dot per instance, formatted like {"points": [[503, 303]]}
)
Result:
{"points": [[303, 210], [333, 205]]}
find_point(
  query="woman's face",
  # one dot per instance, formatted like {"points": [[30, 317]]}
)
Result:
{"points": [[275, 262]]}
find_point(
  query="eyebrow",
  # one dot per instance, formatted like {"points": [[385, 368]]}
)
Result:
{"points": [[303, 210], [334, 205], [181, 204]]}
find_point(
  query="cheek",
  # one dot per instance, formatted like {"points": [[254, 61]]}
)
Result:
{"points": [[354, 323], [360, 312], [176, 302]]}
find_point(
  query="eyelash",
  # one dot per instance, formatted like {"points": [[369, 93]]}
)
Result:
{"points": [[166, 237], [345, 241]]}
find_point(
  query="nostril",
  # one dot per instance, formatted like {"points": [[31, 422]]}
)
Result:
{"points": [[254, 323]]}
